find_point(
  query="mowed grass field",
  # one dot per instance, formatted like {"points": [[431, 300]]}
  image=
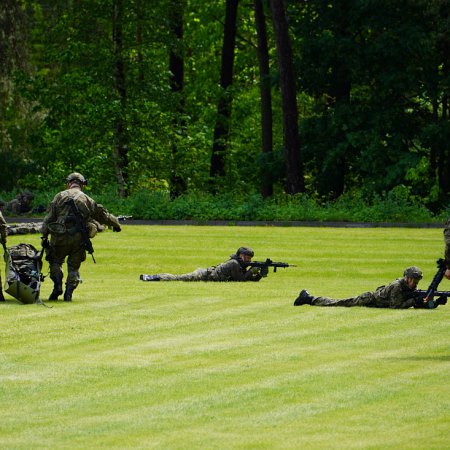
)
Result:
{"points": [[177, 365]]}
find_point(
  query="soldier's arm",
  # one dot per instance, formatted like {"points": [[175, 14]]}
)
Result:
{"points": [[49, 218], [251, 275], [398, 299], [101, 214], [239, 275]]}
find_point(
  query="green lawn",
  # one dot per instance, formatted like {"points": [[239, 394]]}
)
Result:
{"points": [[130, 364]]}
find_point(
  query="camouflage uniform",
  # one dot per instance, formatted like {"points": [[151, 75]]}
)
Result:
{"points": [[395, 295], [447, 243], [36, 227], [231, 270], [3, 234], [25, 228], [66, 239], [23, 203]]}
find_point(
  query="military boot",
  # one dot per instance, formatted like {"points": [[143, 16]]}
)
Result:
{"points": [[304, 298], [68, 293], [57, 288], [2, 298], [144, 277]]}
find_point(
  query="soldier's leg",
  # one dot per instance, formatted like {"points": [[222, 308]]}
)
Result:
{"points": [[55, 255], [362, 300], [197, 275], [76, 257], [2, 298]]}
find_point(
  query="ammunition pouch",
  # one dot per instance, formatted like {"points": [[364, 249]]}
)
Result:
{"points": [[92, 229], [57, 228]]}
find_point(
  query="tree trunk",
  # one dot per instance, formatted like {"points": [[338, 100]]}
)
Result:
{"points": [[294, 166], [266, 97], [222, 126], [444, 152], [176, 68], [140, 58], [120, 133]]}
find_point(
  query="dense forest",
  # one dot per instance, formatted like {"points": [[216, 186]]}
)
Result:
{"points": [[281, 97]]}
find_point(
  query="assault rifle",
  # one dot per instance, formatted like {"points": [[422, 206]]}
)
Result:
{"points": [[425, 299], [81, 227], [264, 266]]}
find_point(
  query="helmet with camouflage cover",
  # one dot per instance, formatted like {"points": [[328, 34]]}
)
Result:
{"points": [[413, 272], [76, 177]]}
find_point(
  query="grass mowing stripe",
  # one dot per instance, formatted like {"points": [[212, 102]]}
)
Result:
{"points": [[229, 365]]}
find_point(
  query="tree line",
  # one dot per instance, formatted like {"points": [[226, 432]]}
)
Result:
{"points": [[283, 96]]}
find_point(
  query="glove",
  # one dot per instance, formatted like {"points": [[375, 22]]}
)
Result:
{"points": [[117, 229], [264, 271]]}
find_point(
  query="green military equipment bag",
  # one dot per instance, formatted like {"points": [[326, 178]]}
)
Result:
{"points": [[23, 273]]}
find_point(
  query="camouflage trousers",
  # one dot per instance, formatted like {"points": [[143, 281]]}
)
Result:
{"points": [[365, 299], [197, 275], [62, 246]]}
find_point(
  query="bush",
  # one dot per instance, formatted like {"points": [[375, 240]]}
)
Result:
{"points": [[395, 206]]}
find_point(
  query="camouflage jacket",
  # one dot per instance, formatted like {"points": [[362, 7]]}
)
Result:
{"points": [[91, 211], [3, 228], [232, 270], [447, 243], [395, 295]]}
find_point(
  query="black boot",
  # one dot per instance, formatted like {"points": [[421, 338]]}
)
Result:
{"points": [[2, 299], [144, 277], [57, 288], [304, 298], [68, 293]]}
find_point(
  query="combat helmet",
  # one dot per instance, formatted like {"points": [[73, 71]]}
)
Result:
{"points": [[245, 251], [75, 176], [413, 272]]}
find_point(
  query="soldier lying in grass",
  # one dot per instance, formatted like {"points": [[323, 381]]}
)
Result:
{"points": [[235, 269], [400, 294]]}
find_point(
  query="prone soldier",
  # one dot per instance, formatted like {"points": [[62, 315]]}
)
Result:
{"points": [[235, 269], [400, 294], [22, 203]]}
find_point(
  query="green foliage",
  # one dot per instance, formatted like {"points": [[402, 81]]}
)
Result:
{"points": [[372, 84], [395, 206]]}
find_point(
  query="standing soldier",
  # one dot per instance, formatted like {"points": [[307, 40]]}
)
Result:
{"points": [[3, 234], [66, 235], [447, 248]]}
